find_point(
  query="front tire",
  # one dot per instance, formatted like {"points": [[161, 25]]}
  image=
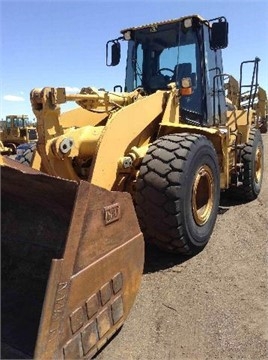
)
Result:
{"points": [[178, 192]]}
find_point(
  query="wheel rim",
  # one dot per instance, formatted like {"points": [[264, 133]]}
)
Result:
{"points": [[203, 195], [258, 165]]}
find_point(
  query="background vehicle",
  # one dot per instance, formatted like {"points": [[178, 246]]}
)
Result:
{"points": [[241, 100], [262, 110], [168, 140], [17, 130]]}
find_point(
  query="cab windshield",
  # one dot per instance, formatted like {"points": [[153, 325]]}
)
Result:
{"points": [[167, 54]]}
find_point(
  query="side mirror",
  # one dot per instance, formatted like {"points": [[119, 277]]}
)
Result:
{"points": [[113, 52], [219, 34]]}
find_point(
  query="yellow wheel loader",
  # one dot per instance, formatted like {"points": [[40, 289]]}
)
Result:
{"points": [[73, 265]]}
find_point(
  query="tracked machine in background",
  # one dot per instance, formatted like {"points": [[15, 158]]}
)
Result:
{"points": [[75, 262], [17, 130]]}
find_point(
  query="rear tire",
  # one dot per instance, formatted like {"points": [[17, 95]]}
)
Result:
{"points": [[263, 127], [252, 159], [178, 192]]}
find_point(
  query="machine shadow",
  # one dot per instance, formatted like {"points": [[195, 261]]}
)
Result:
{"points": [[227, 200], [156, 259]]}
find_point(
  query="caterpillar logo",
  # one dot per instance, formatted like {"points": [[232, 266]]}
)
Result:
{"points": [[111, 213]]}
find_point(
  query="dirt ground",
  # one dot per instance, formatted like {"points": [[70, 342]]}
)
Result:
{"points": [[211, 306]]}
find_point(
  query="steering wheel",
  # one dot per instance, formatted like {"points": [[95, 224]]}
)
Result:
{"points": [[166, 69]]}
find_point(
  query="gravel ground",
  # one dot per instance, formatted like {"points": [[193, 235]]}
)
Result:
{"points": [[211, 306]]}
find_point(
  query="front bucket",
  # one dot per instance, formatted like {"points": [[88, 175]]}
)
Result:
{"points": [[72, 261]]}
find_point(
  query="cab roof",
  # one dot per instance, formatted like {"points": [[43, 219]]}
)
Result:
{"points": [[155, 24]]}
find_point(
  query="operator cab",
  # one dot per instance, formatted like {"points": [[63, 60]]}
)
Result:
{"points": [[159, 54], [185, 51]]}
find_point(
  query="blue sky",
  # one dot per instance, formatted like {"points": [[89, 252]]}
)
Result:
{"points": [[62, 42]]}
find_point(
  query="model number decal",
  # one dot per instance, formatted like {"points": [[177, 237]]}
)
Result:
{"points": [[111, 213]]}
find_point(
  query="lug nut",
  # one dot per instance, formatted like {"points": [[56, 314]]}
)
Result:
{"points": [[127, 162]]}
